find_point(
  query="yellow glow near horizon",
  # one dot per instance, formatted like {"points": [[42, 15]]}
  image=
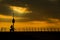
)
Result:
{"points": [[7, 17], [21, 10], [54, 20], [10, 17], [33, 24], [41, 24]]}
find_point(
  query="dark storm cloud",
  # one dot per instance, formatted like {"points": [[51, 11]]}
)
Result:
{"points": [[4, 10], [4, 6], [40, 8], [43, 9]]}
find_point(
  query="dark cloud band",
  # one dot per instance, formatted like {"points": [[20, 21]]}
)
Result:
{"points": [[42, 9]]}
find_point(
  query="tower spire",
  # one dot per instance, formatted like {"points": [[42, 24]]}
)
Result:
{"points": [[13, 20], [12, 26]]}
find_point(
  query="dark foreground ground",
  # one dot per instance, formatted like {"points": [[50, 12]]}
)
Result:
{"points": [[31, 36]]}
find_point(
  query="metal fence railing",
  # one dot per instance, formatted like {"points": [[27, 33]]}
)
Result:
{"points": [[30, 29]]}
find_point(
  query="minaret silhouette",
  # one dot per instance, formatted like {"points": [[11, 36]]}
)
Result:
{"points": [[12, 26]]}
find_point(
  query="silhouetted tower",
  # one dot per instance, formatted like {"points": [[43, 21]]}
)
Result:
{"points": [[13, 20], [12, 26]]}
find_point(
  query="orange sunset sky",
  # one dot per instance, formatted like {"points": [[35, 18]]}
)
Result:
{"points": [[43, 14]]}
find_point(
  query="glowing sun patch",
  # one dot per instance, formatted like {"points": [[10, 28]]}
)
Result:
{"points": [[21, 10]]}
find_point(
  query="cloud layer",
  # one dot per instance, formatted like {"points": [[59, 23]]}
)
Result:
{"points": [[41, 9]]}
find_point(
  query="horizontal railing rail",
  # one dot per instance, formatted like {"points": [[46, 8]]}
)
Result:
{"points": [[30, 29]]}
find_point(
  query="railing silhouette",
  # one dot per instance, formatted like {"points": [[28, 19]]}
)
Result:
{"points": [[30, 29]]}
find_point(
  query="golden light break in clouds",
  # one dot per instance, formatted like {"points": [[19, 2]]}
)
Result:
{"points": [[21, 10]]}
